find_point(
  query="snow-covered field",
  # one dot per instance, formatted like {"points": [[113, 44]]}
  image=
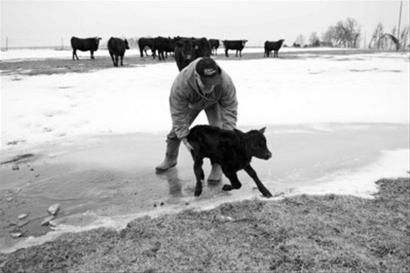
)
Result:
{"points": [[343, 88]]}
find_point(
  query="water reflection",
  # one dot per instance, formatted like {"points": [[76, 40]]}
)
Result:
{"points": [[179, 187]]}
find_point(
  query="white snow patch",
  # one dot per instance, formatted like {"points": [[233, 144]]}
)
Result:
{"points": [[361, 183], [42, 108]]}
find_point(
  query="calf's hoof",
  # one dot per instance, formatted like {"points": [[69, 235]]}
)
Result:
{"points": [[227, 187], [267, 194], [198, 189]]}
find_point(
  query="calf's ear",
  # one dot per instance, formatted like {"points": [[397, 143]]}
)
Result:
{"points": [[262, 130]]}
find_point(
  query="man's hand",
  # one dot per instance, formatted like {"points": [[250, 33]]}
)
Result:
{"points": [[186, 143]]}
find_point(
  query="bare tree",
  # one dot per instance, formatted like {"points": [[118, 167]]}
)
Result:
{"points": [[300, 39], [382, 40], [352, 32], [404, 37], [394, 31], [330, 35], [343, 34], [314, 40], [376, 41], [391, 42]]}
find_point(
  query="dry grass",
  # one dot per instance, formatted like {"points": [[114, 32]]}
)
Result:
{"points": [[300, 234]]}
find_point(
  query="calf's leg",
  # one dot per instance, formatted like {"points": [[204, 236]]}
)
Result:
{"points": [[199, 174], [233, 177], [265, 192], [214, 115]]}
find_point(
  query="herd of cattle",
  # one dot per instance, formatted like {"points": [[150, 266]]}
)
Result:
{"points": [[185, 49]]}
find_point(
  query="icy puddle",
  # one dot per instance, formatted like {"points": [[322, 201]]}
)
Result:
{"points": [[107, 181]]}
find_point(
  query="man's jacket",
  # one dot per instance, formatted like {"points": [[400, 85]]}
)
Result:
{"points": [[186, 95]]}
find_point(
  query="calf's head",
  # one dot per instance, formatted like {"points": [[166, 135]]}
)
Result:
{"points": [[256, 144]]}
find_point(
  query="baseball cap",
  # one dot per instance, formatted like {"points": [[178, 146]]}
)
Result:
{"points": [[209, 71]]}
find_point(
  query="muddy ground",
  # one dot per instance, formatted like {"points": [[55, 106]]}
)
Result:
{"points": [[328, 233]]}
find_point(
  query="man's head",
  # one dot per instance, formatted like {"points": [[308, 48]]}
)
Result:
{"points": [[208, 74]]}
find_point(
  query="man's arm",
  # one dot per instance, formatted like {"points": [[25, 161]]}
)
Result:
{"points": [[229, 104], [179, 106]]}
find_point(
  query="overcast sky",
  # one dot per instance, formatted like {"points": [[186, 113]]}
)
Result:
{"points": [[40, 23]]}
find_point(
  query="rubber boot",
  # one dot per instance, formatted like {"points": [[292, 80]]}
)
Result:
{"points": [[171, 156], [215, 176]]}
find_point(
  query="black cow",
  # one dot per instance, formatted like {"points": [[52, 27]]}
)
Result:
{"points": [[170, 48], [184, 52], [143, 44], [233, 150], [188, 49], [87, 44], [275, 46], [162, 45], [116, 48], [202, 47], [237, 45], [214, 43]]}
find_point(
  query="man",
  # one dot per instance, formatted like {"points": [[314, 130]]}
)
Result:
{"points": [[202, 85]]}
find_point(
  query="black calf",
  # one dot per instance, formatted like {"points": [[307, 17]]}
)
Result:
{"points": [[233, 150]]}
